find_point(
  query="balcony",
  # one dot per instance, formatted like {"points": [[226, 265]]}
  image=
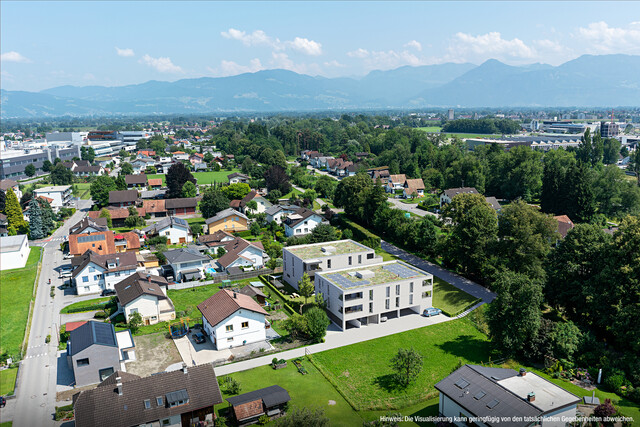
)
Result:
{"points": [[351, 297], [353, 309]]}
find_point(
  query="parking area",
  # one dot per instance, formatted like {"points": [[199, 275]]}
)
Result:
{"points": [[193, 353]]}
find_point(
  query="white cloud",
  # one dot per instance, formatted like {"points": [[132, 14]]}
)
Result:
{"points": [[386, 59], [606, 39], [414, 44], [466, 47], [124, 52], [231, 68], [89, 76], [358, 53], [13, 56], [333, 64], [306, 46], [162, 64]]}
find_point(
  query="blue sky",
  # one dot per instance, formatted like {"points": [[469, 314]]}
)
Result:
{"points": [[48, 44]]}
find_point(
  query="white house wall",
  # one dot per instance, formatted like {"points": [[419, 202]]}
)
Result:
{"points": [[255, 332], [146, 305], [174, 234], [449, 408], [303, 228], [15, 259]]}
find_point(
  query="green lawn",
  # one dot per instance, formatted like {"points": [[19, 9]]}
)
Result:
{"points": [[204, 178], [293, 191], [6, 424], [90, 304], [192, 221], [16, 290], [81, 190], [361, 371], [431, 129], [471, 135], [7, 381], [386, 256], [311, 390], [450, 299]]}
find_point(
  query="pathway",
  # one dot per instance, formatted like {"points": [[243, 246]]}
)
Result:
{"points": [[462, 283], [413, 208]]}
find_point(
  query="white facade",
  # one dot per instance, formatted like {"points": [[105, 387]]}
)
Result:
{"points": [[303, 227], [249, 257], [182, 267], [61, 195], [14, 252], [281, 215], [176, 234], [449, 408], [151, 309], [94, 278], [242, 327]]}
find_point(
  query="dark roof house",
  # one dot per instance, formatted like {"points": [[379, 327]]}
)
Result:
{"points": [[139, 284], [123, 197], [224, 303], [250, 406], [89, 224]]}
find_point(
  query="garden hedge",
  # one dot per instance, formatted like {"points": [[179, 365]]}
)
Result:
{"points": [[360, 233]]}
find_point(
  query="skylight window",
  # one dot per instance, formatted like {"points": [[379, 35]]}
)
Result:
{"points": [[493, 403], [480, 395], [147, 404], [462, 383]]}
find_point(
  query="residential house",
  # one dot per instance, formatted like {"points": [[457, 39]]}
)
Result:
{"points": [[89, 225], [359, 296], [231, 319], [480, 392], [123, 198], [564, 225], [186, 206], [380, 173], [347, 170], [306, 154], [262, 203], [315, 257], [395, 182], [153, 194], [147, 260], [61, 195], [322, 162], [88, 170], [248, 408], [145, 294], [216, 240], [127, 242], [14, 251], [95, 351], [243, 254], [155, 183], [140, 164], [183, 397], [448, 195], [176, 230], [180, 155], [278, 213], [236, 178], [186, 264], [118, 215], [302, 222], [196, 158], [6, 184], [146, 153], [229, 220], [136, 181], [413, 188], [494, 203], [254, 293], [4, 224], [93, 273], [101, 243], [155, 208]]}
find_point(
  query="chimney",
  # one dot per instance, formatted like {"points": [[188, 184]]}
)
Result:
{"points": [[184, 368], [531, 397], [235, 295], [119, 385], [523, 372]]}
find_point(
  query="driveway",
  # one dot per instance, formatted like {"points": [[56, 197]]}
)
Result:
{"points": [[197, 354], [413, 208], [462, 283]]}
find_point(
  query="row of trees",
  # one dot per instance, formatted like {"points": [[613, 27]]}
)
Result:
{"points": [[487, 126]]}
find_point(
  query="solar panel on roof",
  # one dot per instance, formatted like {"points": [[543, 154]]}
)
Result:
{"points": [[400, 270], [346, 282], [462, 383], [493, 403], [90, 238], [103, 333]]}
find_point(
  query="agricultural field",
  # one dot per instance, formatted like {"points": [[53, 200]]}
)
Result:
{"points": [[431, 129], [204, 178]]}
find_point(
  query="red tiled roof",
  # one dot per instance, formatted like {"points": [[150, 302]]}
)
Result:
{"points": [[153, 206], [155, 181], [564, 224], [101, 246], [133, 240], [70, 326]]}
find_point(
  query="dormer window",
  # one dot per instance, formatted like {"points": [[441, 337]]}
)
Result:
{"points": [[147, 404]]}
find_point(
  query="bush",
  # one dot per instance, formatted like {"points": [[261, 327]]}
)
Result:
{"points": [[157, 240], [614, 381], [274, 361], [360, 233], [63, 412], [100, 315], [233, 386]]}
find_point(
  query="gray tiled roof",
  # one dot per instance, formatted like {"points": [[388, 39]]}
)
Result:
{"points": [[225, 213], [184, 255], [271, 396], [89, 334]]}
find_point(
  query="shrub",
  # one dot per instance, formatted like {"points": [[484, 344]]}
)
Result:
{"points": [[274, 361], [100, 315], [233, 386], [360, 233], [614, 381], [264, 419]]}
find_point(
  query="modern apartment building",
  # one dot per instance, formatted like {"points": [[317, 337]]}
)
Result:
{"points": [[318, 257], [61, 195], [371, 294], [14, 162]]}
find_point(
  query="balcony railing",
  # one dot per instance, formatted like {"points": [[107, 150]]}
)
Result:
{"points": [[351, 297], [355, 309]]}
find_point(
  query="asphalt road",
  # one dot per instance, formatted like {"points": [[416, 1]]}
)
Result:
{"points": [[36, 388]]}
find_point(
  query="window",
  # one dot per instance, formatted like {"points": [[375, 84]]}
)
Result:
{"points": [[349, 260], [371, 294], [245, 325], [410, 286], [229, 328], [388, 291], [386, 304], [397, 301], [370, 256], [410, 299], [370, 307], [359, 259], [328, 263], [96, 277], [91, 269], [397, 289], [147, 404], [426, 294], [166, 422], [82, 362], [230, 339], [85, 279]]}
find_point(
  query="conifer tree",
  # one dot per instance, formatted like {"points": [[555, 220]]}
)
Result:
{"points": [[36, 227], [13, 211]]}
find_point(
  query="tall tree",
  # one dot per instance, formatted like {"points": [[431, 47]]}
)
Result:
{"points": [[104, 213], [514, 316], [317, 323], [61, 175], [30, 170], [581, 197], [305, 287], [555, 188], [13, 211], [407, 364], [236, 191], [87, 153], [611, 151], [47, 166], [323, 233], [189, 189], [213, 201], [126, 168], [276, 179], [100, 189], [177, 176], [36, 227]]}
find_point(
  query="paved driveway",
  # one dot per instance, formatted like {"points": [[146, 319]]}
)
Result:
{"points": [[413, 208], [462, 283], [197, 354]]}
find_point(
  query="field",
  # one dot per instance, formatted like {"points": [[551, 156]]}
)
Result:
{"points": [[290, 193], [204, 178], [7, 380], [81, 190], [450, 299], [431, 129], [16, 290], [311, 390], [361, 371], [87, 303]]}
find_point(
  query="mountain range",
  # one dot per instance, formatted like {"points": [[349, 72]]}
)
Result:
{"points": [[587, 81]]}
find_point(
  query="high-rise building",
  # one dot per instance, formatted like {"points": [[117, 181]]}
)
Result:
{"points": [[450, 114], [609, 129]]}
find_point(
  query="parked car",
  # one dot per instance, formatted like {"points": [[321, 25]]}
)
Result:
{"points": [[431, 311], [108, 292], [3, 402], [199, 338]]}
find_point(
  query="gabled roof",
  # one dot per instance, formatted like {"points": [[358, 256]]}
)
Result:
{"points": [[218, 238], [251, 291], [250, 196], [170, 221], [234, 248], [86, 222], [116, 213], [412, 185], [139, 179], [122, 260], [133, 240], [235, 203], [493, 202], [237, 175], [184, 255], [104, 407], [87, 169], [451, 192], [155, 182], [91, 333], [189, 202], [101, 242], [123, 196], [252, 404], [272, 210], [225, 213], [139, 284], [224, 303], [400, 178], [6, 184], [564, 224], [299, 216], [153, 206]]}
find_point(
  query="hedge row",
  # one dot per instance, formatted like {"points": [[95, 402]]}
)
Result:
{"points": [[85, 308], [280, 294], [360, 233]]}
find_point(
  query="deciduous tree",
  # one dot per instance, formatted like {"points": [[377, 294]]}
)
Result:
{"points": [[177, 176], [213, 201], [61, 175], [30, 170], [100, 189], [407, 364]]}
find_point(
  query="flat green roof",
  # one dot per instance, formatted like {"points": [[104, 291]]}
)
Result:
{"points": [[387, 272], [315, 250]]}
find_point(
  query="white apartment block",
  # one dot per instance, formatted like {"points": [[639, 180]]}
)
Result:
{"points": [[61, 195], [369, 294], [318, 257]]}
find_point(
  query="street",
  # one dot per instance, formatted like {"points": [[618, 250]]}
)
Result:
{"points": [[36, 386]]}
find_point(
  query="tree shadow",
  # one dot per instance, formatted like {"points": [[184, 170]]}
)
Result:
{"points": [[388, 383], [468, 348], [430, 410]]}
